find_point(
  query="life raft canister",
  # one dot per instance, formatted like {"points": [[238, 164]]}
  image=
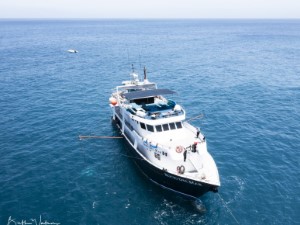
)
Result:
{"points": [[179, 149]]}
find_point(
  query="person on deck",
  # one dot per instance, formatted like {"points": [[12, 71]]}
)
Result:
{"points": [[194, 147], [198, 132]]}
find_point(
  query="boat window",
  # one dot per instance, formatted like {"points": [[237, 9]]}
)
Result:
{"points": [[166, 126], [178, 125], [158, 128], [172, 126], [150, 128], [143, 126], [143, 101]]}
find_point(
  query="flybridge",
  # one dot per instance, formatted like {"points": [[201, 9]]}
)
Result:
{"points": [[129, 87], [145, 100], [147, 93]]}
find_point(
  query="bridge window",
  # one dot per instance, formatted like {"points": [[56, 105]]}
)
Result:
{"points": [[172, 126], [143, 126], [150, 128], [178, 125], [158, 128], [166, 127]]}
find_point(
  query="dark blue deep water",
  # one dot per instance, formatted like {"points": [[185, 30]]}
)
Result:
{"points": [[243, 75]]}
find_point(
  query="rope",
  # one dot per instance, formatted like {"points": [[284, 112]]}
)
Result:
{"points": [[230, 212], [104, 137], [201, 115], [128, 156]]}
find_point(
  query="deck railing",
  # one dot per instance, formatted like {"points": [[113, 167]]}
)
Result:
{"points": [[190, 127]]}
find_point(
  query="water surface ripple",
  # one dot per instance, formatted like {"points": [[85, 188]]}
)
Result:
{"points": [[242, 74]]}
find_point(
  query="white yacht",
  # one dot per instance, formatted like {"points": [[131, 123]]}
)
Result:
{"points": [[169, 151], [72, 51]]}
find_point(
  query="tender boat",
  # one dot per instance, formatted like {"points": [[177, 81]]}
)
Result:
{"points": [[168, 150], [72, 51]]}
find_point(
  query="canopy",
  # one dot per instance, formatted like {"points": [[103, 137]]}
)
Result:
{"points": [[147, 93]]}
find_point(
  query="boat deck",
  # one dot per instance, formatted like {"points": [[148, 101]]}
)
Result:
{"points": [[156, 110], [184, 137]]}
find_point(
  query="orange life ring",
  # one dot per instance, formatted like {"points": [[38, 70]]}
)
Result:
{"points": [[179, 149]]}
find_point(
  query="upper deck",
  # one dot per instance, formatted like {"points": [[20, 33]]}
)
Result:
{"points": [[157, 108], [146, 101]]}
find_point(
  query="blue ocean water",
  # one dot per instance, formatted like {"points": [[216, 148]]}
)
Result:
{"points": [[243, 75]]}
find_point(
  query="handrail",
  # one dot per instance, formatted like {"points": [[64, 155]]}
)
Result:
{"points": [[190, 127]]}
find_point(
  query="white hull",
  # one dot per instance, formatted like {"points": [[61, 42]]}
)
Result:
{"points": [[163, 142]]}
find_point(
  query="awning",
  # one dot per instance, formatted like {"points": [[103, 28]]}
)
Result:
{"points": [[147, 93]]}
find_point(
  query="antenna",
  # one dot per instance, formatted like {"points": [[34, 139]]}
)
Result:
{"points": [[140, 61], [145, 73], [127, 55], [132, 67]]}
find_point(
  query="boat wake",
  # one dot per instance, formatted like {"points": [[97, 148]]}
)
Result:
{"points": [[181, 209], [237, 182], [199, 206], [88, 171]]}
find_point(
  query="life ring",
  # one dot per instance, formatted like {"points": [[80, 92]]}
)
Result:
{"points": [[179, 149], [180, 169]]}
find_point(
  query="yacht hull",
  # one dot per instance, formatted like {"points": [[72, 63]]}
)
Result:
{"points": [[161, 177], [146, 118]]}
